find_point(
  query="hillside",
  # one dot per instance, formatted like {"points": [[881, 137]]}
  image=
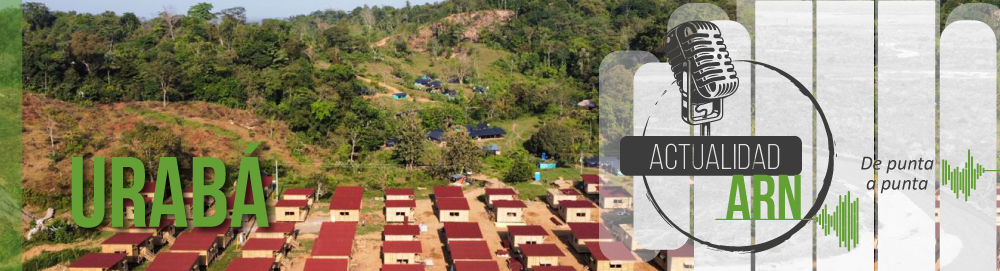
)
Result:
{"points": [[469, 24]]}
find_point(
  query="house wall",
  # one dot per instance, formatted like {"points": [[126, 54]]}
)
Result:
{"points": [[580, 245], [502, 217], [399, 238], [606, 266], [520, 240], [673, 263], [531, 262], [570, 215], [398, 197], [288, 237], [609, 203], [390, 214], [493, 198], [298, 197], [130, 212], [591, 188], [261, 254], [445, 216], [392, 258], [297, 214], [555, 198], [350, 216]]}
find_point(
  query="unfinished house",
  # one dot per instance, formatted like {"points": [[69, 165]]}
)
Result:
{"points": [[313, 264], [591, 183], [204, 244], [284, 230], [614, 197], [100, 262], [291, 210], [533, 255], [441, 192], [495, 194], [680, 259], [335, 240], [345, 206], [271, 248], [473, 251], [530, 234], [462, 231], [137, 247], [252, 264], [130, 208], [398, 232], [555, 196], [453, 209], [399, 194], [401, 252], [610, 256], [399, 211], [584, 233], [307, 194], [575, 211], [508, 212], [224, 233], [162, 234], [175, 261]]}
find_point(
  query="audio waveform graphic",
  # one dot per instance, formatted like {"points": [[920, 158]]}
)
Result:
{"points": [[843, 222], [962, 180]]}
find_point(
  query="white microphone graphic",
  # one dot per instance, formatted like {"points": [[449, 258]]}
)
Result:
{"points": [[703, 71]]}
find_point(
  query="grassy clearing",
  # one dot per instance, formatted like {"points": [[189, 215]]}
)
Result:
{"points": [[223, 261], [46, 260], [531, 190], [372, 208], [565, 173]]}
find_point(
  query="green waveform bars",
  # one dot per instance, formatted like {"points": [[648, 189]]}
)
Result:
{"points": [[962, 180], [843, 221]]}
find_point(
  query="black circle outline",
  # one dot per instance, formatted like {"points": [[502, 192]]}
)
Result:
{"points": [[820, 198]]}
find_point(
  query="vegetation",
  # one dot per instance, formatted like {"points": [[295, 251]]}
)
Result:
{"points": [[49, 259]]}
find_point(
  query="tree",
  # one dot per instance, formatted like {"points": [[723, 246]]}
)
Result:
{"points": [[169, 19], [201, 11], [520, 169], [37, 15], [88, 48], [410, 146], [556, 139], [149, 142], [163, 69], [460, 153]]}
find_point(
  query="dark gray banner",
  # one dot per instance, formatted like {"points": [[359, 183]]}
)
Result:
{"points": [[711, 155]]}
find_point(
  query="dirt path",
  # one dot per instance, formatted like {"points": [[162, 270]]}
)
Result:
{"points": [[392, 90]]}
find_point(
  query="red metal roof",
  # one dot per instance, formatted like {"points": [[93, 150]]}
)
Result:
{"points": [[400, 204], [248, 198], [569, 192], [345, 203], [402, 267], [277, 227], [221, 229], [266, 180], [613, 191], [149, 187], [590, 178], [529, 230], [332, 246], [610, 251], [412, 230], [98, 260], [476, 266], [589, 231], [267, 244], [164, 223], [509, 204], [349, 191], [193, 241], [577, 204], [501, 191], [401, 247], [553, 268], [251, 264], [338, 229], [541, 250], [301, 203], [399, 192], [300, 191], [127, 238], [453, 204], [441, 192], [462, 230], [469, 250], [326, 265], [173, 261]]}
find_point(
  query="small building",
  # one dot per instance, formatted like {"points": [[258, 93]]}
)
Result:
{"points": [[308, 194], [292, 210], [462, 231], [607, 256], [399, 210], [477, 251], [495, 194], [474, 265], [136, 246], [559, 195], [402, 267], [399, 194], [252, 264], [401, 252], [175, 261], [530, 234], [435, 135], [285, 230], [100, 262], [533, 255], [162, 234], [149, 190], [335, 240], [396, 232], [590, 183], [346, 204], [626, 235], [225, 233], [448, 191], [271, 248], [488, 133], [130, 208], [573, 211], [584, 233], [313, 264], [680, 259], [614, 197], [508, 212], [204, 244], [453, 209]]}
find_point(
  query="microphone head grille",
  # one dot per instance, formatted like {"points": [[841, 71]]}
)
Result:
{"points": [[698, 47]]}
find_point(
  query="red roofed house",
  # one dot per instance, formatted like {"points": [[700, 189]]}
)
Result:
{"points": [[573, 211], [202, 243], [271, 248], [313, 264], [284, 230], [606, 256], [680, 259], [162, 234], [401, 252], [175, 261], [615, 197], [248, 198], [345, 206], [335, 240], [400, 232], [308, 194], [508, 212], [559, 195], [475, 266], [399, 210], [531, 234], [398, 194], [462, 231], [590, 183], [441, 192], [252, 264], [402, 267], [453, 209], [470, 251], [149, 190], [224, 233], [540, 255], [291, 210], [136, 246], [495, 194], [584, 233], [100, 262], [554, 268], [130, 207]]}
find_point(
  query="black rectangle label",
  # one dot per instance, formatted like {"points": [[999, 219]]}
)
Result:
{"points": [[711, 155]]}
